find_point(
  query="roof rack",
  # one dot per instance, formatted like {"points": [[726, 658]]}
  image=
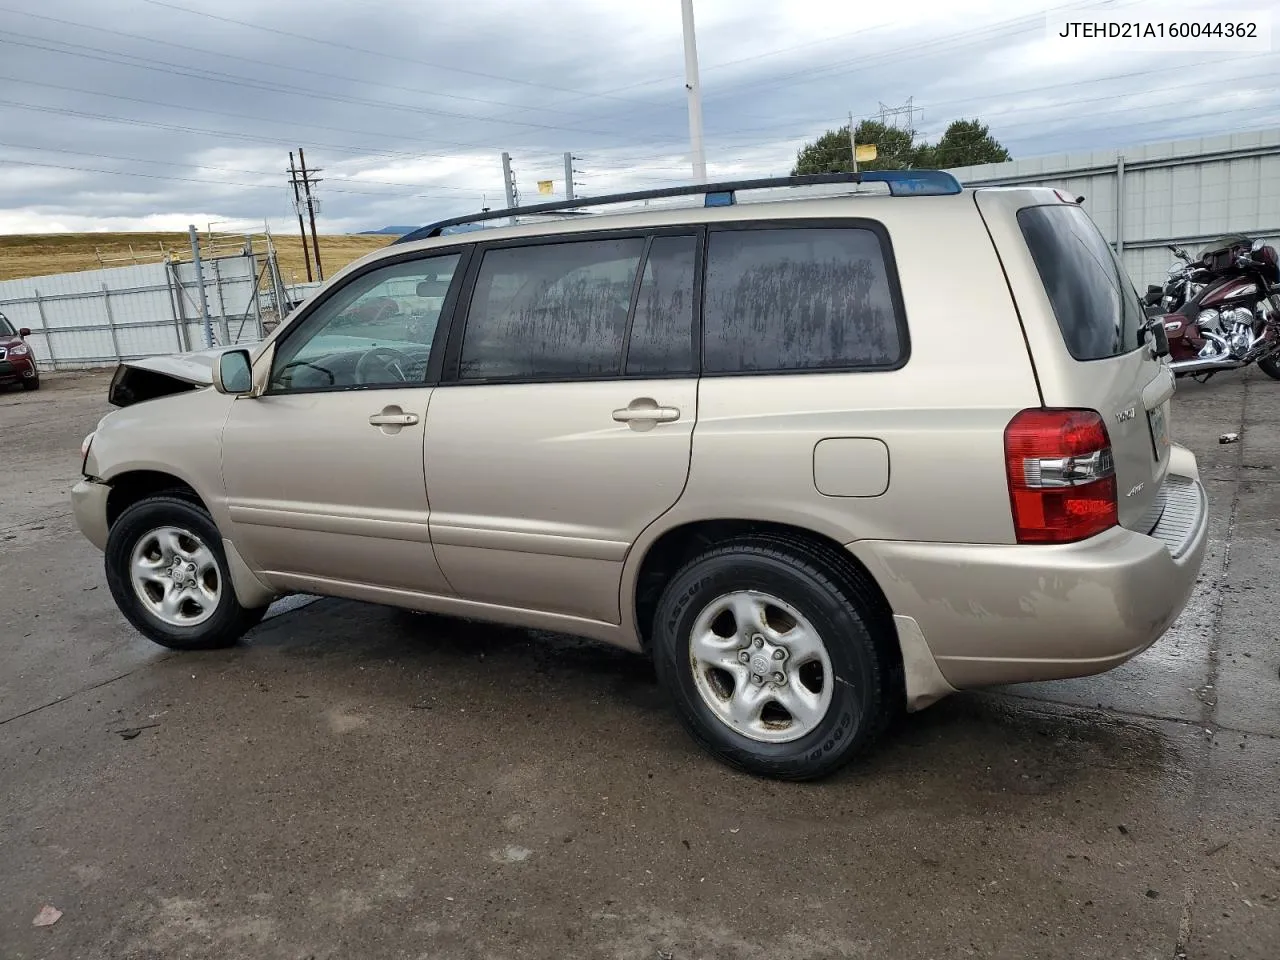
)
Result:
{"points": [[900, 183]]}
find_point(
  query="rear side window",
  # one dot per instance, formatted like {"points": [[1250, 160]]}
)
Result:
{"points": [[662, 341], [799, 299], [1097, 307]]}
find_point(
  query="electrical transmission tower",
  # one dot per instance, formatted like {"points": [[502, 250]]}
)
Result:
{"points": [[893, 116], [302, 180]]}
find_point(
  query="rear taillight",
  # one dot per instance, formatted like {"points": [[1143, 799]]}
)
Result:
{"points": [[1062, 479]]}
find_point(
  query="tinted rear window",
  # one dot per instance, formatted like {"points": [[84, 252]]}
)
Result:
{"points": [[1097, 307]]}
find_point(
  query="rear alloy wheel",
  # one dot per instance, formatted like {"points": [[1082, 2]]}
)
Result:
{"points": [[760, 666], [770, 656], [168, 574]]}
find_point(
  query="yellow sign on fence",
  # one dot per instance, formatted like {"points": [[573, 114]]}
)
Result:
{"points": [[546, 186], [864, 152]]}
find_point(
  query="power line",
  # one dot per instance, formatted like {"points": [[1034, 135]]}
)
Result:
{"points": [[280, 66], [1003, 95], [216, 76], [896, 54], [218, 183], [380, 54]]}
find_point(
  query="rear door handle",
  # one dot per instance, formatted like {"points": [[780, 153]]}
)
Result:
{"points": [[393, 419], [651, 413]]}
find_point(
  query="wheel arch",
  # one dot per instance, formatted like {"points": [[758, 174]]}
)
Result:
{"points": [[676, 546], [133, 486]]}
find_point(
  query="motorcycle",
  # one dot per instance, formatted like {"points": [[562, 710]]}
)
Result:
{"points": [[1231, 317], [1186, 278]]}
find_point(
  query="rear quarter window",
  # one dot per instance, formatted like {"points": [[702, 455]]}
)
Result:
{"points": [[1095, 303]]}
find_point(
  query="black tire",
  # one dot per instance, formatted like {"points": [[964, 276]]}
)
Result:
{"points": [[32, 384], [1270, 366], [866, 687], [229, 621]]}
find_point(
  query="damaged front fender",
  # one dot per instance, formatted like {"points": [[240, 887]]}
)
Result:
{"points": [[152, 377]]}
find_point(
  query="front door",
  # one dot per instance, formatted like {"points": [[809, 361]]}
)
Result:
{"points": [[324, 471], [563, 424]]}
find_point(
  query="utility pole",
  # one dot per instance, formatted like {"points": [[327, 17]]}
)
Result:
{"points": [[312, 204], [694, 88], [297, 205], [568, 175], [509, 185], [853, 144]]}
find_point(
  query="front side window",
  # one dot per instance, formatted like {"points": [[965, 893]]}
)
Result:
{"points": [[551, 311], [376, 331], [6, 328], [799, 299]]}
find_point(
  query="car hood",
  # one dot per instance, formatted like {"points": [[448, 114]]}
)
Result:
{"points": [[195, 367], [152, 377], [7, 341]]}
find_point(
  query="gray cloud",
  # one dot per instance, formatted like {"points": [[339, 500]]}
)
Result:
{"points": [[121, 114]]}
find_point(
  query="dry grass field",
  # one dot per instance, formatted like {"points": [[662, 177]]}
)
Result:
{"points": [[36, 255]]}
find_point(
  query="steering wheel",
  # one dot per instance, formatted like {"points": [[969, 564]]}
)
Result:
{"points": [[388, 360]]}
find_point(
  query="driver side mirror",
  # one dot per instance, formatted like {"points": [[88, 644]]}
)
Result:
{"points": [[233, 373], [24, 332]]}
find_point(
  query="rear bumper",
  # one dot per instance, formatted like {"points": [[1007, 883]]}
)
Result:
{"points": [[89, 504], [993, 614]]}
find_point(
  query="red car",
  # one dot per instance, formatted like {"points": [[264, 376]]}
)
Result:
{"points": [[17, 363]]}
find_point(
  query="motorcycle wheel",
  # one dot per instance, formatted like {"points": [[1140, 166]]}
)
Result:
{"points": [[1270, 366]]}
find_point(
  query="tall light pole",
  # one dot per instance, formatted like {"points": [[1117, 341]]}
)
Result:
{"points": [[694, 89]]}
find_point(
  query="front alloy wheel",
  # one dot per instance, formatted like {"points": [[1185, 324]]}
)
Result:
{"points": [[175, 576], [168, 574]]}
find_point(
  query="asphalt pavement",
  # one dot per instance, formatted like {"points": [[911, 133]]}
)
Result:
{"points": [[359, 782]]}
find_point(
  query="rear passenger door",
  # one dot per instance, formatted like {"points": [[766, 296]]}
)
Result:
{"points": [[563, 423]]}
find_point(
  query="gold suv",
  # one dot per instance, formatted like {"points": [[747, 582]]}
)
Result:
{"points": [[824, 456]]}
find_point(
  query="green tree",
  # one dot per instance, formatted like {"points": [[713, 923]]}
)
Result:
{"points": [[965, 142], [830, 153]]}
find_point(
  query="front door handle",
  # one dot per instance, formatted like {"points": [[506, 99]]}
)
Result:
{"points": [[646, 410], [393, 419]]}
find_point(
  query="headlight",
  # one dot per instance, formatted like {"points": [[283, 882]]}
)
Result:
{"points": [[19, 350]]}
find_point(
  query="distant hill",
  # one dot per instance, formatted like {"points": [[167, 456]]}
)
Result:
{"points": [[34, 255], [389, 231]]}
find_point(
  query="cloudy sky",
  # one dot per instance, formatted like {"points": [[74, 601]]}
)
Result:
{"points": [[152, 114]]}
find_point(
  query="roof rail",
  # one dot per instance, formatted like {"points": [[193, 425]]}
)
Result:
{"points": [[900, 183]]}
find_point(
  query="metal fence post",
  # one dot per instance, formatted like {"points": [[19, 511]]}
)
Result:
{"points": [[48, 334], [257, 298], [111, 322], [223, 327], [179, 312], [204, 303]]}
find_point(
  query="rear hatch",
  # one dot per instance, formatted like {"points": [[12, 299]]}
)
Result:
{"points": [[1085, 327]]}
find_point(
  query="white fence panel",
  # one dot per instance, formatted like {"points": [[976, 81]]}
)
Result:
{"points": [[99, 317]]}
